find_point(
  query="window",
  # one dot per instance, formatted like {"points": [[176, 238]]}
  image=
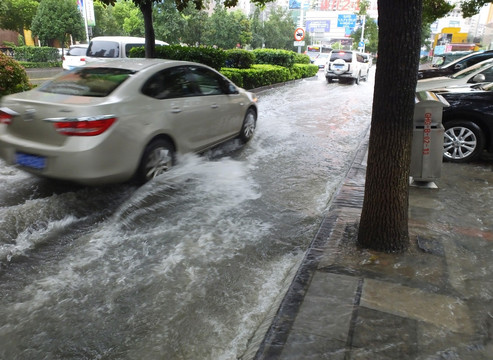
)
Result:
{"points": [[77, 51], [97, 82], [170, 83], [128, 47], [344, 55], [105, 49], [208, 82]]}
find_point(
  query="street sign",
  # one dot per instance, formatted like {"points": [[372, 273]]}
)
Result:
{"points": [[299, 34], [346, 20], [299, 43], [361, 44]]}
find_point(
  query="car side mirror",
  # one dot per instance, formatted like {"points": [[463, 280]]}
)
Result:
{"points": [[479, 78], [231, 89], [458, 67]]}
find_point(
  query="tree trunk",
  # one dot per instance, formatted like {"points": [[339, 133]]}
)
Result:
{"points": [[146, 9], [384, 218]]}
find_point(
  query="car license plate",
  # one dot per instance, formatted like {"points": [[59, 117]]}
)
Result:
{"points": [[31, 161]]}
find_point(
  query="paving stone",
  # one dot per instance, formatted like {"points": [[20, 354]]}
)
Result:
{"points": [[380, 335], [440, 310]]}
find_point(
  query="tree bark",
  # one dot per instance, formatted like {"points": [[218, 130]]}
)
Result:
{"points": [[384, 218], [146, 9]]}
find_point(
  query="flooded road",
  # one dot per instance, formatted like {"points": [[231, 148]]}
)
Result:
{"points": [[192, 265]]}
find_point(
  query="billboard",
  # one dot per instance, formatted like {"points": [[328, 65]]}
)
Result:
{"points": [[317, 26]]}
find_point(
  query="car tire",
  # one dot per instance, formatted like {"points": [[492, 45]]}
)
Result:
{"points": [[357, 79], [329, 80], [248, 128], [158, 157], [463, 141]]}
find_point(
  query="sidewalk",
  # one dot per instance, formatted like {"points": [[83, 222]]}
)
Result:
{"points": [[433, 302]]}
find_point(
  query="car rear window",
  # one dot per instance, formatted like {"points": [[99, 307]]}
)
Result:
{"points": [[347, 56], [77, 51], [104, 49], [96, 82]]}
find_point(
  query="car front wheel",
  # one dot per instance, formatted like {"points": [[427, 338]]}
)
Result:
{"points": [[158, 158], [248, 127], [463, 141]]}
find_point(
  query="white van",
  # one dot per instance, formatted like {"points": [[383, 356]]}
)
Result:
{"points": [[114, 47], [346, 65]]}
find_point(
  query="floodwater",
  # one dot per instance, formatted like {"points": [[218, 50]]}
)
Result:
{"points": [[190, 266]]}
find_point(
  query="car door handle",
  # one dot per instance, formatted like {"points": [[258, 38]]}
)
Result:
{"points": [[175, 110], [214, 106]]}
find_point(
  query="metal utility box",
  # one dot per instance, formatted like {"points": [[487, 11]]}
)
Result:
{"points": [[427, 144]]}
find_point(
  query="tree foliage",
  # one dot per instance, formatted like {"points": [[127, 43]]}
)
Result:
{"points": [[55, 19], [278, 30], [146, 7], [472, 7], [17, 15]]}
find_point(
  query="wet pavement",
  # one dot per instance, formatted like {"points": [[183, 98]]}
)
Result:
{"points": [[434, 301]]}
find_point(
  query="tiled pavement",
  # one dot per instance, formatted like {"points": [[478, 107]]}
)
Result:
{"points": [[434, 301]]}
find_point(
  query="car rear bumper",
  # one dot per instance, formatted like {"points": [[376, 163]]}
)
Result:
{"points": [[89, 162]]}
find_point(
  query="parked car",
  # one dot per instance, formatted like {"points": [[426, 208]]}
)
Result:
{"points": [[75, 57], [123, 119], [479, 73], [448, 57], [468, 122], [103, 48], [456, 66], [346, 65]]}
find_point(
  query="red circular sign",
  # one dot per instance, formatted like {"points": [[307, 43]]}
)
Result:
{"points": [[299, 34]]}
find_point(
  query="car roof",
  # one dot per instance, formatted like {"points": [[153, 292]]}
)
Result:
{"points": [[129, 39]]}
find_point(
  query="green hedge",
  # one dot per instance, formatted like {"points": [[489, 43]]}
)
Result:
{"points": [[210, 56], [279, 57], [34, 65], [263, 75], [239, 58], [36, 54]]}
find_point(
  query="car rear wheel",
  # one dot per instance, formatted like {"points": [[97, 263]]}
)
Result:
{"points": [[357, 79], [248, 127], [159, 157], [463, 141]]}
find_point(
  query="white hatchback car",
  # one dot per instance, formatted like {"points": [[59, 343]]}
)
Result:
{"points": [[111, 122], [346, 65], [74, 57]]}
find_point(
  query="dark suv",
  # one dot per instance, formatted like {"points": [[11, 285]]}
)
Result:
{"points": [[457, 65]]}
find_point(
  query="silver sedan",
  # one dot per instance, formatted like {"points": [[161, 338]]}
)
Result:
{"points": [[121, 120]]}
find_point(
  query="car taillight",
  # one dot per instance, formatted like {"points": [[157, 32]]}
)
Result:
{"points": [[86, 126], [82, 59], [6, 116], [63, 58]]}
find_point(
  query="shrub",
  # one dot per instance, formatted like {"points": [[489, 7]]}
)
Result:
{"points": [[301, 59], [210, 56], [274, 57], [36, 54], [239, 58], [13, 77]]}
